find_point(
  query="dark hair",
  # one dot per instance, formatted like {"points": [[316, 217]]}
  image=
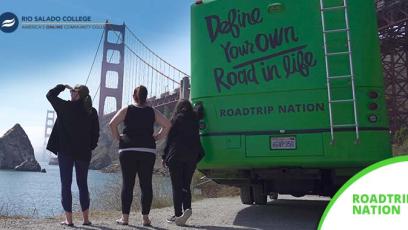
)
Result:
{"points": [[87, 101], [84, 96], [140, 95], [183, 107]]}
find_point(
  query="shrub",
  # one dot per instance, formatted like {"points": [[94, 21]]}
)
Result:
{"points": [[400, 136]]}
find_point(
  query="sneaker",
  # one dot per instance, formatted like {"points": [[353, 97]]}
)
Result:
{"points": [[171, 219], [183, 218], [121, 222]]}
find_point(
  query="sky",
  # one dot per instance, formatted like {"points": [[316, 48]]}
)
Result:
{"points": [[32, 61]]}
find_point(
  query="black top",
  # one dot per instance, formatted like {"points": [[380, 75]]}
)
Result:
{"points": [[75, 132], [183, 140], [138, 128]]}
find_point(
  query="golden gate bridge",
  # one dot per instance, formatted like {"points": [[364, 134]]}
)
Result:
{"points": [[121, 63]]}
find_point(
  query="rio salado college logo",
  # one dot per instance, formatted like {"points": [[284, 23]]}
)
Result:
{"points": [[8, 22]]}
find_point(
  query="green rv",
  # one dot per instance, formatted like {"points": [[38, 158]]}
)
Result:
{"points": [[291, 94]]}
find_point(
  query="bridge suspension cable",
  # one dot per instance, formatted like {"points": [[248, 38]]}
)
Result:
{"points": [[94, 59], [142, 66], [137, 38]]}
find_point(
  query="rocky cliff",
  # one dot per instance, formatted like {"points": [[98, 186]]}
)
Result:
{"points": [[16, 151], [106, 152]]}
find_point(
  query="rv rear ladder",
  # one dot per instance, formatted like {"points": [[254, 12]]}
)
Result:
{"points": [[330, 78]]}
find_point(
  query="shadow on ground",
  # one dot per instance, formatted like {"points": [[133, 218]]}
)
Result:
{"points": [[282, 214]]}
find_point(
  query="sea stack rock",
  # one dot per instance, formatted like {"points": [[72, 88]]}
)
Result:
{"points": [[53, 161], [28, 165], [16, 151]]}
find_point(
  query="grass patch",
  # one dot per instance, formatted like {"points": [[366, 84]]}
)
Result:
{"points": [[201, 187], [110, 198], [400, 150], [210, 189]]}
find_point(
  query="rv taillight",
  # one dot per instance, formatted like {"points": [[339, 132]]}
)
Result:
{"points": [[373, 106], [372, 118], [373, 94]]}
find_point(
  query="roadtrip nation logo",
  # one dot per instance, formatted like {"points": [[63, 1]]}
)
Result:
{"points": [[8, 22]]}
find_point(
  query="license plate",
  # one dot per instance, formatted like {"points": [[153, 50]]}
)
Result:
{"points": [[283, 143]]}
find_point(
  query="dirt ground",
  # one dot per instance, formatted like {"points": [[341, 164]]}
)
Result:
{"points": [[213, 213]]}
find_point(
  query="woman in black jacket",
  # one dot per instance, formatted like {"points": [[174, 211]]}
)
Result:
{"points": [[181, 155], [75, 134]]}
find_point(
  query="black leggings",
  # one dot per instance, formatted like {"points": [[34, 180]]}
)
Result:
{"points": [[140, 163], [66, 165], [181, 174]]}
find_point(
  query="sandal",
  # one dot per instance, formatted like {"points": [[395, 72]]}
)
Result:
{"points": [[65, 223], [89, 223], [121, 222], [147, 223]]}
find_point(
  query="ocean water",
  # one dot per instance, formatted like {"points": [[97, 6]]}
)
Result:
{"points": [[39, 194]]}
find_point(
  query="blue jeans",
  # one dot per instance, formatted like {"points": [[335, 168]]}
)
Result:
{"points": [[66, 165]]}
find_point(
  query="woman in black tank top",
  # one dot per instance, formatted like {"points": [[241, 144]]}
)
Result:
{"points": [[137, 150]]}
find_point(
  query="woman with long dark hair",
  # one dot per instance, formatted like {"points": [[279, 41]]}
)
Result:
{"points": [[74, 135], [182, 152], [137, 150]]}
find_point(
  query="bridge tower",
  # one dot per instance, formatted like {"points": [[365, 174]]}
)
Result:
{"points": [[185, 88], [112, 69], [49, 124]]}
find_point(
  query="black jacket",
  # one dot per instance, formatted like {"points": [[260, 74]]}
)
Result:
{"points": [[75, 132], [183, 141]]}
